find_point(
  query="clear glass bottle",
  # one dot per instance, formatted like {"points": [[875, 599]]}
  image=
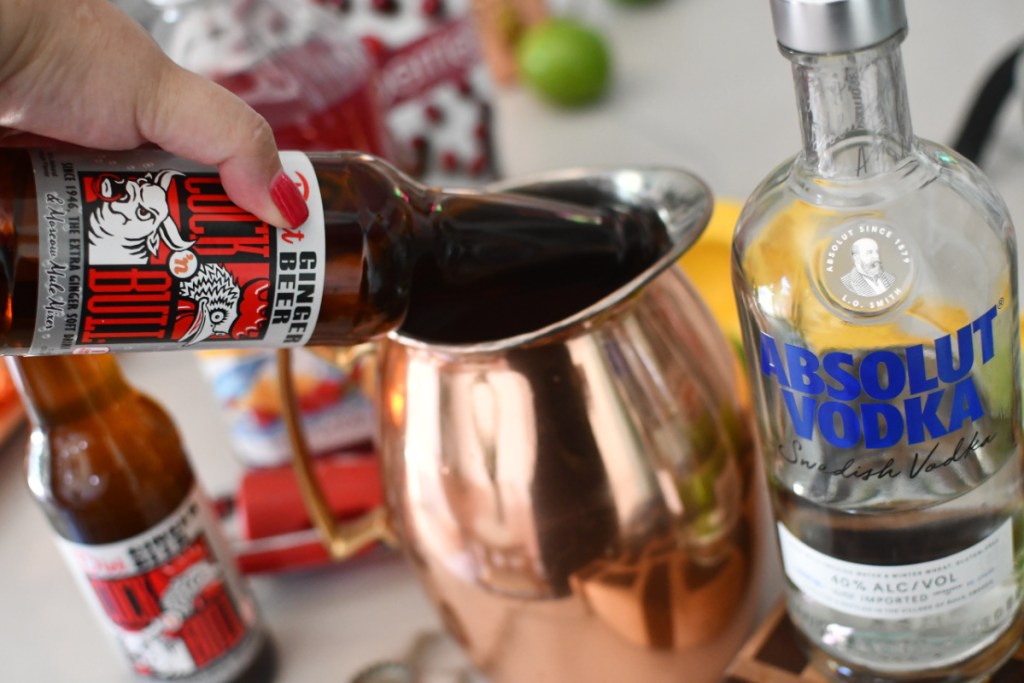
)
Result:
{"points": [[876, 277]]}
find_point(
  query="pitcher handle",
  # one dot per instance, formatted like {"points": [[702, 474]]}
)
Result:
{"points": [[341, 539]]}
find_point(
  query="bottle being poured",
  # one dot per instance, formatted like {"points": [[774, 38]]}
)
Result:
{"points": [[144, 251]]}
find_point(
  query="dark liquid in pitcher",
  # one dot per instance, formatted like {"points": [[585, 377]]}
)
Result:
{"points": [[528, 299]]}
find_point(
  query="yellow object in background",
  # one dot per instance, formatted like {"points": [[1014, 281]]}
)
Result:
{"points": [[707, 265]]}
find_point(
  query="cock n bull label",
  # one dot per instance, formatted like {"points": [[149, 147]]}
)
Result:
{"points": [[171, 598], [151, 254]]}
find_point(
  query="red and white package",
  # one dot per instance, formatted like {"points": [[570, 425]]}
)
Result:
{"points": [[406, 80], [435, 88], [293, 61]]}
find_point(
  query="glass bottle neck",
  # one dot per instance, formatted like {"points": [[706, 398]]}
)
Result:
{"points": [[853, 108], [63, 387]]}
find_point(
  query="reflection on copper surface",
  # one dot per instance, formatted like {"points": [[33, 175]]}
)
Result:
{"points": [[661, 597], [577, 502], [585, 494]]}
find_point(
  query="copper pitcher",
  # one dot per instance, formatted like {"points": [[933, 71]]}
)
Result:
{"points": [[577, 499]]}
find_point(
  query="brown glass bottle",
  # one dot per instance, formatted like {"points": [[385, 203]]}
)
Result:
{"points": [[393, 249], [107, 466]]}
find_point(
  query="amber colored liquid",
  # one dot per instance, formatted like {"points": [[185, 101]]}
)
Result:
{"points": [[19, 250], [111, 464], [132, 472]]}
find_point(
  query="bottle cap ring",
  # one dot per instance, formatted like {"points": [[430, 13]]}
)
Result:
{"points": [[830, 26]]}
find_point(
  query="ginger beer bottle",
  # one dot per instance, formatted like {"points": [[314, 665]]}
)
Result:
{"points": [[108, 468], [144, 251]]}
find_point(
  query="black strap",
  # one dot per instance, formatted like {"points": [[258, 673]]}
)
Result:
{"points": [[977, 128]]}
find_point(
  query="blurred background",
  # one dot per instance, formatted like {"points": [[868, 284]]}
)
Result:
{"points": [[462, 93]]}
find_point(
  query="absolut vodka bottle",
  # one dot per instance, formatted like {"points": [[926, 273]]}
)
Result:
{"points": [[876, 276]]}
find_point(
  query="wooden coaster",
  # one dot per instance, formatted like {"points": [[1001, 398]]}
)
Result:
{"points": [[773, 655]]}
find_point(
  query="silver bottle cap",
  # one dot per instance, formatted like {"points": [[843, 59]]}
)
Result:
{"points": [[828, 26]]}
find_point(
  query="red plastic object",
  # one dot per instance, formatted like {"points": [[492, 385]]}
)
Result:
{"points": [[268, 502]]}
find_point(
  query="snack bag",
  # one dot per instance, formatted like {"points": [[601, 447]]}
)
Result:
{"points": [[334, 402], [435, 86]]}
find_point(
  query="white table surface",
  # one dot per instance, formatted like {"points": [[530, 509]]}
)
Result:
{"points": [[698, 84]]}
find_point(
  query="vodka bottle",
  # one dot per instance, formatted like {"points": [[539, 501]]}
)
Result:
{"points": [[876, 277]]}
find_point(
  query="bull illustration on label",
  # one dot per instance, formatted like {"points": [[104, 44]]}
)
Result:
{"points": [[170, 259], [132, 219]]}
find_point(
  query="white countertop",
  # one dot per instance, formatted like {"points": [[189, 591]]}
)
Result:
{"points": [[699, 84]]}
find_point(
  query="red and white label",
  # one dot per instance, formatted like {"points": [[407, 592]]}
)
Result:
{"points": [[171, 598], [147, 252]]}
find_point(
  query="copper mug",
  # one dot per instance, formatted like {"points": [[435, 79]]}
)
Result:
{"points": [[576, 500]]}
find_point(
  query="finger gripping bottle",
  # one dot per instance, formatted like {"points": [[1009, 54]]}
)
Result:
{"points": [[876, 279], [107, 466]]}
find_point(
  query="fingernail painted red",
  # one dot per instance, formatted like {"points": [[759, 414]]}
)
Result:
{"points": [[288, 200]]}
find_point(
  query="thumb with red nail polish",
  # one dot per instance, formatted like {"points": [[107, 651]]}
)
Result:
{"points": [[219, 129], [288, 200]]}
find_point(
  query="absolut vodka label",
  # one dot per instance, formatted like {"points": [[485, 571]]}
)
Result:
{"points": [[885, 397]]}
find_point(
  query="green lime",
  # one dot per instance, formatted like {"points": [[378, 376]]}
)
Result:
{"points": [[564, 61]]}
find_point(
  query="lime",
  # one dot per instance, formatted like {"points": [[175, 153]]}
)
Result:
{"points": [[565, 62]]}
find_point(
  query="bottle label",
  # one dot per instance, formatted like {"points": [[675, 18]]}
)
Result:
{"points": [[152, 255], [171, 598], [889, 397], [899, 591], [866, 267]]}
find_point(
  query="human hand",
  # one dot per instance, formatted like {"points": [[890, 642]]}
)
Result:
{"points": [[83, 72]]}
